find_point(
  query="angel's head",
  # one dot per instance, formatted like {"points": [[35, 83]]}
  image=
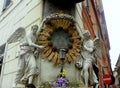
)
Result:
{"points": [[34, 29], [86, 34]]}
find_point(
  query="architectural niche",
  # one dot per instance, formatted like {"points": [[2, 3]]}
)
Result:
{"points": [[59, 32]]}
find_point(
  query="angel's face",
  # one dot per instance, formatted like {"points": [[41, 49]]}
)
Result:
{"points": [[87, 35], [34, 29]]}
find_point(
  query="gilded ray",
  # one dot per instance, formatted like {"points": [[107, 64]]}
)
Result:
{"points": [[75, 37], [72, 51], [71, 55], [49, 29], [77, 45], [48, 52], [43, 42], [45, 37], [45, 34], [54, 60], [46, 49], [75, 52], [50, 57], [55, 22], [68, 57], [77, 41], [58, 60], [70, 30], [42, 38], [65, 24], [75, 33]]}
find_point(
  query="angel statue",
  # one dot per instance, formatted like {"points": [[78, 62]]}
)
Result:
{"points": [[87, 60], [27, 67]]}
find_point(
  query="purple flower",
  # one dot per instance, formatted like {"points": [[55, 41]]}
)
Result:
{"points": [[60, 82]]}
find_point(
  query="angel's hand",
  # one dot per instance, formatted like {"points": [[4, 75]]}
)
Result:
{"points": [[36, 53], [40, 47]]}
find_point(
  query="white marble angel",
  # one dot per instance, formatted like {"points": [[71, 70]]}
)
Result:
{"points": [[27, 67], [87, 60]]}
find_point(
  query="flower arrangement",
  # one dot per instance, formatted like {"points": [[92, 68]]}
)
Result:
{"points": [[61, 81]]}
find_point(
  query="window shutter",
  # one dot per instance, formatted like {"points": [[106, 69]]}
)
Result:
{"points": [[1, 61], [6, 3], [2, 49]]}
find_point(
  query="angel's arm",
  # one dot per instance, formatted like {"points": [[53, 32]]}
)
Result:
{"points": [[40, 28], [96, 40], [89, 46], [29, 39]]}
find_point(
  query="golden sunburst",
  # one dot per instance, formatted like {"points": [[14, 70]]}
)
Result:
{"points": [[59, 27]]}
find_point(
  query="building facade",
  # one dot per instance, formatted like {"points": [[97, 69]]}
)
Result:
{"points": [[117, 73], [88, 14], [95, 22]]}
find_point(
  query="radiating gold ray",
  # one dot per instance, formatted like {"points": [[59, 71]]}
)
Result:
{"points": [[46, 49], [58, 60], [75, 37], [51, 56], [68, 57], [70, 30], [75, 52], [48, 52], [66, 23], [43, 42], [54, 60], [77, 41], [71, 55], [42, 38], [48, 29], [77, 45], [54, 23], [45, 34], [75, 33]]}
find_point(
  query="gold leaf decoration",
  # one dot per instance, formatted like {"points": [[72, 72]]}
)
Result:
{"points": [[59, 31]]}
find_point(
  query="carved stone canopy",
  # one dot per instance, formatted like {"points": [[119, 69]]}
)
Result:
{"points": [[59, 32]]}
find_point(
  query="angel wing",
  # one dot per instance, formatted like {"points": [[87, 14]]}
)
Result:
{"points": [[17, 35], [97, 47], [96, 41]]}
